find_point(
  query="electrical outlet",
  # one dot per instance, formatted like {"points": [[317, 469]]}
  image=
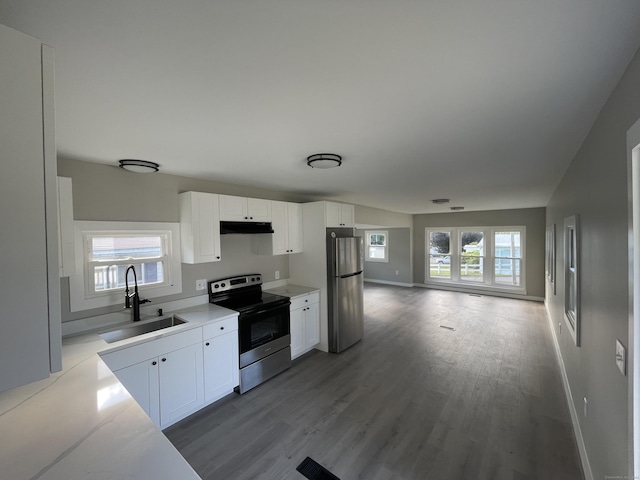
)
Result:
{"points": [[621, 357], [201, 284], [277, 274], [585, 407], [397, 272]]}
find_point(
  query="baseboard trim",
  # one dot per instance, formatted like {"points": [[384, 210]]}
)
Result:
{"points": [[386, 282], [479, 291], [582, 449]]}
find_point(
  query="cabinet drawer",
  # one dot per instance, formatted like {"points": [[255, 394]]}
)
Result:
{"points": [[301, 301], [138, 353], [220, 328]]}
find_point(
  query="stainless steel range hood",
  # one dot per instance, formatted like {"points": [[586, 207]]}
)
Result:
{"points": [[245, 227]]}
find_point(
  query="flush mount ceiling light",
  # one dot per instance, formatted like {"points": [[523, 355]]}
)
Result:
{"points": [[324, 160], [139, 166]]}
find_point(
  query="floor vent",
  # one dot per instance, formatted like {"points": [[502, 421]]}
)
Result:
{"points": [[314, 471], [447, 328]]}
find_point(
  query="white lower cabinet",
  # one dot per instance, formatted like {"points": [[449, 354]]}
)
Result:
{"points": [[141, 380], [176, 375], [167, 387], [221, 369], [180, 384], [305, 323]]}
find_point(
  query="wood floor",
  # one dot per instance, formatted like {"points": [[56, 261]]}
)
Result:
{"points": [[410, 401]]}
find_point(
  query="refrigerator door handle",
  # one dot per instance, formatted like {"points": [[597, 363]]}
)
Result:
{"points": [[350, 275]]}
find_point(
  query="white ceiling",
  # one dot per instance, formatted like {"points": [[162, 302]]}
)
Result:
{"points": [[482, 101]]}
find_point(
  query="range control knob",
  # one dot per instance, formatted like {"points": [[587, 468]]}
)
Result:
{"points": [[216, 285], [223, 285]]}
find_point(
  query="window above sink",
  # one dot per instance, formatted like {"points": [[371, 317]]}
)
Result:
{"points": [[104, 250]]}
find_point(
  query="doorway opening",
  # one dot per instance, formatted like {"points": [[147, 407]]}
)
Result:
{"points": [[633, 360]]}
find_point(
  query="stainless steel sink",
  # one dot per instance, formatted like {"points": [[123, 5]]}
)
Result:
{"points": [[140, 328]]}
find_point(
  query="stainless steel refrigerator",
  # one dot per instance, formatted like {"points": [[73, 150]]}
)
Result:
{"points": [[345, 288]]}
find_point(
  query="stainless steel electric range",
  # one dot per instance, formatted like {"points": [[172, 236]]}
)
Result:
{"points": [[264, 333]]}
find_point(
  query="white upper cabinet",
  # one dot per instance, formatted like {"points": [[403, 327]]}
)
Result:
{"points": [[242, 209], [199, 227], [286, 220], [339, 214], [295, 227]]}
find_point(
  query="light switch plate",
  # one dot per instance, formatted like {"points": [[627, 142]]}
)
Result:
{"points": [[621, 357]]}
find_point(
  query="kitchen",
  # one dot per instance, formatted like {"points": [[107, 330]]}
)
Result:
{"points": [[237, 257], [104, 193]]}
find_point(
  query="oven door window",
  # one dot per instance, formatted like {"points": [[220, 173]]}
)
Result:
{"points": [[263, 326]]}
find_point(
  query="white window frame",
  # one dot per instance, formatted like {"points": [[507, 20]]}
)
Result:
{"points": [[83, 296], [550, 256], [572, 272], [482, 258], [489, 257], [369, 234], [522, 231]]}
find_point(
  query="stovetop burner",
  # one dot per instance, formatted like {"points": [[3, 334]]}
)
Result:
{"points": [[242, 293], [250, 302]]}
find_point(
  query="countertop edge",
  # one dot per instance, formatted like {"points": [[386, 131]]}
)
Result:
{"points": [[75, 423]]}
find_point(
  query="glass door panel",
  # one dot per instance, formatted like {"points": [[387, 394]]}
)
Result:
{"points": [[508, 258], [472, 256], [439, 255]]}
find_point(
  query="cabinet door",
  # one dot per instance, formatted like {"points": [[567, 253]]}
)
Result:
{"points": [[141, 381], [280, 237], [294, 223], [233, 209], [311, 326], [347, 215], [221, 370], [259, 210], [199, 227], [297, 331], [181, 383], [332, 214]]}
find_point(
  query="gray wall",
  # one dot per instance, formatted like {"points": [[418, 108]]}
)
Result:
{"points": [[379, 217], [399, 258], [108, 193], [532, 218], [595, 188]]}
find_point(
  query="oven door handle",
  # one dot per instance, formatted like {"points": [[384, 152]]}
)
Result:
{"points": [[266, 310]]}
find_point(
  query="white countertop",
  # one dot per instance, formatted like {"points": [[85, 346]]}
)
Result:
{"points": [[81, 424], [292, 291]]}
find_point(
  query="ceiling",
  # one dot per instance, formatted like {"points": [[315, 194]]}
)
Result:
{"points": [[483, 102]]}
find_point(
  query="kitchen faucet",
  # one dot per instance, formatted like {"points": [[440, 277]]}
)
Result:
{"points": [[133, 299]]}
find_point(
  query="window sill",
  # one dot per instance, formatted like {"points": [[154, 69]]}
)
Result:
{"points": [[468, 286]]}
